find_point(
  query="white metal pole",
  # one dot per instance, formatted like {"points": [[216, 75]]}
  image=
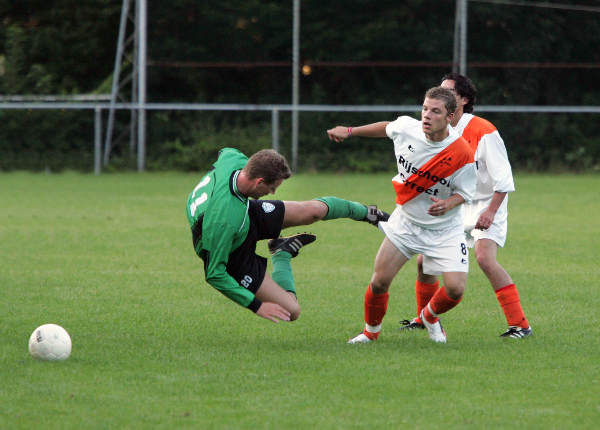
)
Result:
{"points": [[115, 80], [295, 83], [142, 27], [133, 114]]}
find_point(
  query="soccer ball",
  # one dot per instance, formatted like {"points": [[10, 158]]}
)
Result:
{"points": [[50, 342]]}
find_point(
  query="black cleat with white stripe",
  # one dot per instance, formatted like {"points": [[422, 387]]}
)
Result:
{"points": [[291, 244], [411, 325], [375, 215], [516, 332]]}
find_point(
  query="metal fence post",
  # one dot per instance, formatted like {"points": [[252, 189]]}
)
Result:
{"points": [[97, 140], [295, 83], [275, 129], [142, 17]]}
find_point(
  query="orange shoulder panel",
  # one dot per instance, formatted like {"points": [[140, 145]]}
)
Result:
{"points": [[476, 129]]}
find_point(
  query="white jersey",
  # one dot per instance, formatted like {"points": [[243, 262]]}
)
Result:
{"points": [[430, 169], [491, 160]]}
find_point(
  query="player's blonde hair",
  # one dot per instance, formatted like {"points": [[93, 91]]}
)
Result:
{"points": [[444, 95]]}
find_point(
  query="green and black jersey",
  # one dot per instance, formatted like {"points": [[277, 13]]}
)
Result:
{"points": [[218, 217]]}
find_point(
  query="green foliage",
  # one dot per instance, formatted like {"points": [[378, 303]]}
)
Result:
{"points": [[192, 141], [154, 347], [46, 140], [550, 142]]}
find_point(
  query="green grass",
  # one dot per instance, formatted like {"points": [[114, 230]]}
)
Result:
{"points": [[110, 258]]}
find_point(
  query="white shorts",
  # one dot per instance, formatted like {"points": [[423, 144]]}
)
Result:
{"points": [[443, 250], [496, 232]]}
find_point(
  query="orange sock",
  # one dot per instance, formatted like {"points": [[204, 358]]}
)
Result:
{"points": [[424, 293], [509, 299], [375, 309], [439, 304]]}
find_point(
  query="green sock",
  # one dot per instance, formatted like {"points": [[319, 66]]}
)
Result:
{"points": [[282, 271], [340, 208]]}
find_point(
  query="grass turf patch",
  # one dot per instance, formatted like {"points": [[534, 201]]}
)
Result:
{"points": [[110, 259]]}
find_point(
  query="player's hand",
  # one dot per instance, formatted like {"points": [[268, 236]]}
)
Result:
{"points": [[273, 312], [439, 207], [485, 220], [338, 134]]}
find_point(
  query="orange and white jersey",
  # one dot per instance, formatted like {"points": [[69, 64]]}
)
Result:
{"points": [[430, 169], [491, 161]]}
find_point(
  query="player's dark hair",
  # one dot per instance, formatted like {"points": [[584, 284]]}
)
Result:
{"points": [[269, 165], [464, 88], [444, 95]]}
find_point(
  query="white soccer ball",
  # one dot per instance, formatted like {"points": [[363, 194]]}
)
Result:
{"points": [[50, 342]]}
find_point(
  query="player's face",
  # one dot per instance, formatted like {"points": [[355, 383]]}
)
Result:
{"points": [[262, 188], [434, 119]]}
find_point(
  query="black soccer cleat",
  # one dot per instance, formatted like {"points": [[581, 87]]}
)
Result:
{"points": [[516, 332], [375, 215], [291, 244], [411, 325]]}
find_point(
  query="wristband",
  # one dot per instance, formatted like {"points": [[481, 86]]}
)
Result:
{"points": [[349, 131], [254, 305]]}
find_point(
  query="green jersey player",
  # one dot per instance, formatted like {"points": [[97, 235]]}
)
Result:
{"points": [[227, 219]]}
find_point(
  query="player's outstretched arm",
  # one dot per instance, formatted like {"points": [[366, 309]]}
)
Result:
{"points": [[339, 133], [273, 312], [342, 132]]}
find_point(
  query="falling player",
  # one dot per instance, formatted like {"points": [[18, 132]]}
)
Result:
{"points": [[227, 219]]}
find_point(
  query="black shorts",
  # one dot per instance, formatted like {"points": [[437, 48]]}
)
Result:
{"points": [[266, 221]]}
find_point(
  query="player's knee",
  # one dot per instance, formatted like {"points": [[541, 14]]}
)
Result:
{"points": [[317, 210], [294, 312], [293, 307], [380, 285], [485, 261], [314, 216], [311, 212], [455, 291]]}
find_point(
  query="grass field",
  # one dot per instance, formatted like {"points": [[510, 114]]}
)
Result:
{"points": [[110, 259]]}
